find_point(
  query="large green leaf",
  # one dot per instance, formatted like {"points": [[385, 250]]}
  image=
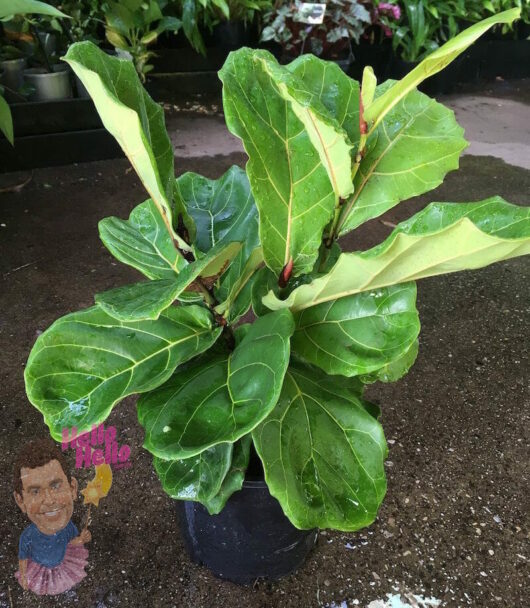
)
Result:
{"points": [[139, 301], [329, 83], [443, 238], [87, 361], [133, 118], [148, 299], [6, 120], [395, 369], [358, 334], [236, 290], [222, 209], [198, 478], [234, 478], [10, 8], [299, 156], [142, 242], [414, 147], [221, 396], [323, 452], [433, 64], [210, 478]]}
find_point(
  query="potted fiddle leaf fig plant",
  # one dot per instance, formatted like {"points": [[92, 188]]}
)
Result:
{"points": [[325, 155]]}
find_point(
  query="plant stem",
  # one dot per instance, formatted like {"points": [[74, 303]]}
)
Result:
{"points": [[41, 46]]}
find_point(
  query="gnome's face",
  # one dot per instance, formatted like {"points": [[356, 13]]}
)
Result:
{"points": [[47, 497]]}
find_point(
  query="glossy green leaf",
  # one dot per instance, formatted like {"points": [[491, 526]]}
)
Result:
{"points": [[299, 157], [413, 149], [443, 238], [265, 281], [334, 89], [238, 289], [396, 369], [222, 209], [140, 301], [6, 120], [221, 396], [133, 118], [26, 7], [142, 242], [433, 64], [234, 478], [358, 334], [87, 361], [198, 478], [323, 453]]}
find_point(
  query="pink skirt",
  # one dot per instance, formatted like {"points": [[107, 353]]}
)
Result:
{"points": [[52, 581]]}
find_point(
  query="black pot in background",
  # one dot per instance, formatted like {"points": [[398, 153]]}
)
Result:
{"points": [[234, 34], [12, 77], [505, 58], [379, 56], [251, 538]]}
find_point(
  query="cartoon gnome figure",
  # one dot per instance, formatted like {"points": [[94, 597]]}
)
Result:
{"points": [[52, 556]]}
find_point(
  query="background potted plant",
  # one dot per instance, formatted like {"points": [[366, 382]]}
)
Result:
{"points": [[132, 26], [322, 161], [375, 47], [344, 22]]}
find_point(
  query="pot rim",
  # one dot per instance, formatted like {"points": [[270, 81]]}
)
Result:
{"points": [[11, 61], [41, 72]]}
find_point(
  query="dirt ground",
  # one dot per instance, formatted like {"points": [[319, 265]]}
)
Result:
{"points": [[454, 524]]}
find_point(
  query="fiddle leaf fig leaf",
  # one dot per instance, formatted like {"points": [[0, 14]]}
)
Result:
{"points": [[222, 209], [238, 288], [434, 63], [443, 238], [6, 120], [142, 242], [322, 453], [333, 88], [233, 481], [198, 478], [395, 369], [210, 477], [87, 361], [29, 7], [358, 334], [140, 301], [413, 149], [221, 396], [299, 156], [133, 118]]}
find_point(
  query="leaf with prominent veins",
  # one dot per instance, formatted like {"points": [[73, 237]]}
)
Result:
{"points": [[133, 118], [87, 361], [299, 156], [210, 478], [434, 63], [358, 334], [333, 88], [413, 149], [221, 396], [443, 238], [323, 452], [142, 242]]}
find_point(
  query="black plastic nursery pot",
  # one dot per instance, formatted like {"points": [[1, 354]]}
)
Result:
{"points": [[250, 538]]}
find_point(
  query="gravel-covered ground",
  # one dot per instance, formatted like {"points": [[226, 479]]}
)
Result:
{"points": [[454, 525]]}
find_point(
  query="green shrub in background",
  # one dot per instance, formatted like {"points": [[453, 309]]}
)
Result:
{"points": [[426, 24]]}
